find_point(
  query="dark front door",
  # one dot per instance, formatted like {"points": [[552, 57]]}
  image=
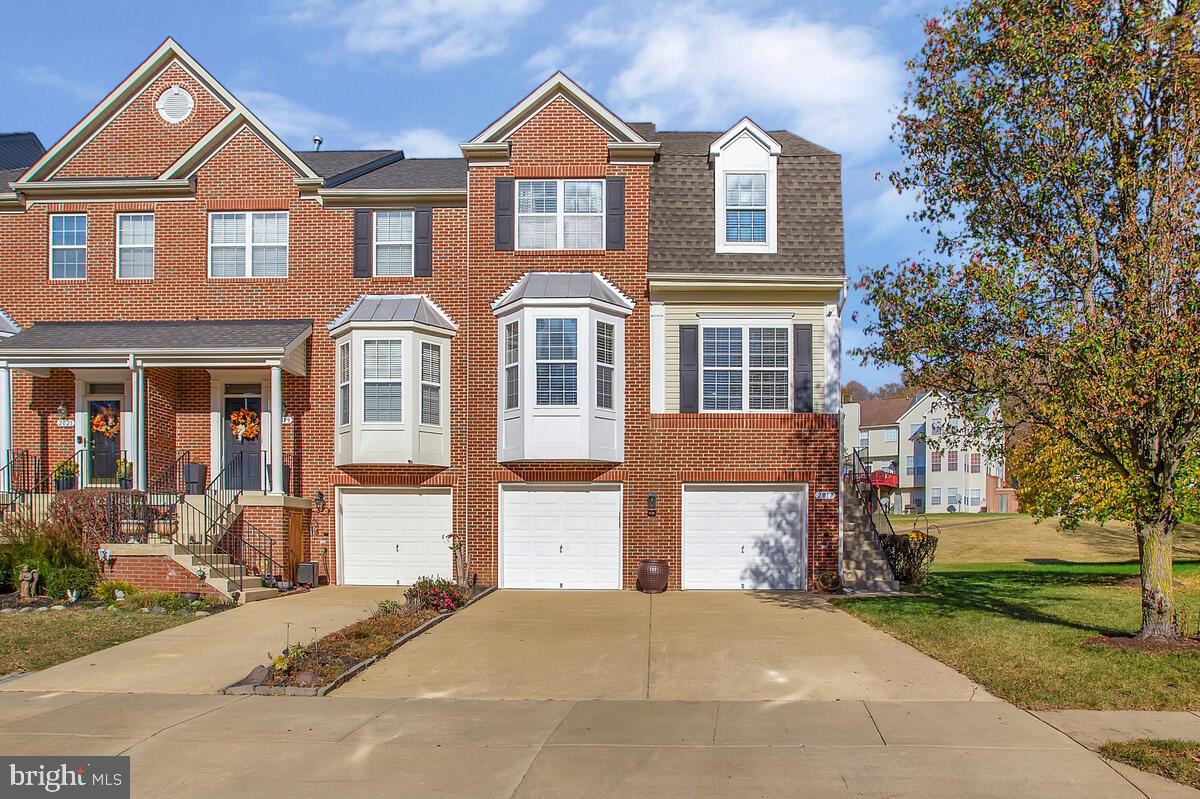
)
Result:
{"points": [[243, 443], [104, 442]]}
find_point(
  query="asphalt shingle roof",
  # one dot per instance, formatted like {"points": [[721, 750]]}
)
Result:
{"points": [[414, 173], [149, 336], [7, 176], [328, 163], [19, 150], [394, 308], [874, 413], [682, 229]]}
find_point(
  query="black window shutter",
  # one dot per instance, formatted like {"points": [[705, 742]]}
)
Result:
{"points": [[802, 366], [505, 225], [614, 214], [423, 242], [689, 368], [363, 218]]}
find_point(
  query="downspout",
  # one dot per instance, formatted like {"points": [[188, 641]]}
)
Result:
{"points": [[466, 497]]}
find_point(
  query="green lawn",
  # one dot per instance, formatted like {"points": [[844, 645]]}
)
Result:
{"points": [[32, 641], [1018, 629], [1175, 760]]}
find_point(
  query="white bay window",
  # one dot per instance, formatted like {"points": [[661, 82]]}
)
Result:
{"points": [[383, 381]]}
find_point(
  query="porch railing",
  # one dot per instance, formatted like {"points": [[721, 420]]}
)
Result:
{"points": [[868, 494]]}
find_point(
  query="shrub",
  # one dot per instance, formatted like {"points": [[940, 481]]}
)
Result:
{"points": [[431, 593], [71, 578], [94, 512], [909, 554], [389, 607], [107, 589], [46, 546]]}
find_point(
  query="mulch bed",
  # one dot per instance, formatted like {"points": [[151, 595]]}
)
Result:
{"points": [[1128, 642], [332, 655]]}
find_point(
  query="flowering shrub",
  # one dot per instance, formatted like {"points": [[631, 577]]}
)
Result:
{"points": [[430, 593], [909, 554]]}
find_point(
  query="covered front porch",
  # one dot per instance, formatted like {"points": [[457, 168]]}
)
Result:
{"points": [[175, 427]]}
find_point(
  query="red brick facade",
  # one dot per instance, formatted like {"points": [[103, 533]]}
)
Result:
{"points": [[661, 451], [157, 573]]}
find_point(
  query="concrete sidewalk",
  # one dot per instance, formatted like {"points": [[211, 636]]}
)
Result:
{"points": [[1093, 728], [204, 656], [202, 746], [688, 645]]}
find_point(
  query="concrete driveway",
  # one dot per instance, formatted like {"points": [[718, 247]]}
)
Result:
{"points": [[205, 655], [710, 645]]}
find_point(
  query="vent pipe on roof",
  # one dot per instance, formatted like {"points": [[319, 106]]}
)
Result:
{"points": [[317, 143]]}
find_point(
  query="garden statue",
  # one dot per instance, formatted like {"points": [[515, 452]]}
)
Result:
{"points": [[28, 583]]}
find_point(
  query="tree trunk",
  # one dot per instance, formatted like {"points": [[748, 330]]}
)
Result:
{"points": [[1156, 540]]}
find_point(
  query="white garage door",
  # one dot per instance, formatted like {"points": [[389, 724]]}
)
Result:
{"points": [[560, 537], [743, 536], [394, 537]]}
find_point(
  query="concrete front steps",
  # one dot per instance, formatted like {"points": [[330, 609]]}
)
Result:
{"points": [[201, 556], [864, 568]]}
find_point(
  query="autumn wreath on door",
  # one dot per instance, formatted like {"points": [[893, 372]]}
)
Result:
{"points": [[106, 423], [244, 424]]}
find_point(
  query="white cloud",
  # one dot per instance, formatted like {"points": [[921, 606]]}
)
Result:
{"points": [[702, 65], [417, 143], [441, 33], [296, 124], [887, 213], [41, 76]]}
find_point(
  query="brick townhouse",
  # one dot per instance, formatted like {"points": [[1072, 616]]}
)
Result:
{"points": [[584, 343]]}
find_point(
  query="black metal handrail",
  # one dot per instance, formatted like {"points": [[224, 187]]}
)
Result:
{"points": [[868, 494]]}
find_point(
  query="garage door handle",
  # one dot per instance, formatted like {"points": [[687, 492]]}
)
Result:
{"points": [[397, 547], [743, 549], [560, 546]]}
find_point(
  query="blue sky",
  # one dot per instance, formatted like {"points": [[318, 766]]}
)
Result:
{"points": [[424, 75]]}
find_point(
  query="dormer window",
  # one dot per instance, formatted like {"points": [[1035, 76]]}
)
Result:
{"points": [[745, 171]]}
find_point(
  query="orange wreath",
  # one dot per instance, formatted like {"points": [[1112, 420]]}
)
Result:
{"points": [[106, 424], [244, 424]]}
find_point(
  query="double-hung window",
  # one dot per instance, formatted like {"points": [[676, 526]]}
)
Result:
{"points": [[864, 439], [891, 435], [557, 351], [952, 461], [746, 207], [935, 427], [248, 244], [560, 214], [910, 465], [512, 366], [394, 243], [431, 383], [746, 368], [976, 462], [344, 383], [606, 356], [935, 461], [135, 246], [935, 496], [68, 246], [382, 381], [952, 496], [975, 497]]}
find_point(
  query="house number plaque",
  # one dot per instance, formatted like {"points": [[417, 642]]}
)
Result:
{"points": [[827, 495]]}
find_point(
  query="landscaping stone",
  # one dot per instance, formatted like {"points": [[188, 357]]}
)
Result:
{"points": [[158, 609], [58, 607], [141, 610], [307, 679], [42, 609], [26, 610], [8, 610], [201, 613], [257, 676]]}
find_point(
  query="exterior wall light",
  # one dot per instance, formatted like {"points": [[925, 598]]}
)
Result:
{"points": [[652, 504]]}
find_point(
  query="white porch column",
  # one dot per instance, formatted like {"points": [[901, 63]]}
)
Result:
{"points": [[138, 440], [658, 357], [277, 430], [5, 422]]}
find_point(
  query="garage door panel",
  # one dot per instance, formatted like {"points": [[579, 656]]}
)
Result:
{"points": [[744, 537], [393, 538], [561, 538]]}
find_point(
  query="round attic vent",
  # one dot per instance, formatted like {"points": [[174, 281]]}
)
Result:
{"points": [[175, 105]]}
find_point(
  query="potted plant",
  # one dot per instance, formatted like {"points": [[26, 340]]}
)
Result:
{"points": [[124, 473], [66, 476]]}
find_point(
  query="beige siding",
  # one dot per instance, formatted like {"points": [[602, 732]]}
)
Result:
{"points": [[685, 310]]}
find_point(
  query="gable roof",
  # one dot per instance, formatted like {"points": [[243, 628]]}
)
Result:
{"points": [[166, 53], [879, 413], [683, 215], [557, 85], [19, 150]]}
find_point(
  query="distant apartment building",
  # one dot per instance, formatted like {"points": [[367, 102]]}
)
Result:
{"points": [[915, 462]]}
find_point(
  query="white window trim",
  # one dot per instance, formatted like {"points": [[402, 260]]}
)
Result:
{"points": [[375, 242], [891, 436], [250, 245], [769, 162], [560, 214], [394, 424], [119, 246], [611, 366], [514, 365], [87, 234], [436, 384], [935, 497], [538, 361], [345, 369], [746, 368], [765, 208]]}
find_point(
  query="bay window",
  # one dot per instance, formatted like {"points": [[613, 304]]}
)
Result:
{"points": [[605, 358], [557, 362], [512, 366], [431, 383], [344, 383], [560, 214], [383, 376], [248, 244], [746, 368]]}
